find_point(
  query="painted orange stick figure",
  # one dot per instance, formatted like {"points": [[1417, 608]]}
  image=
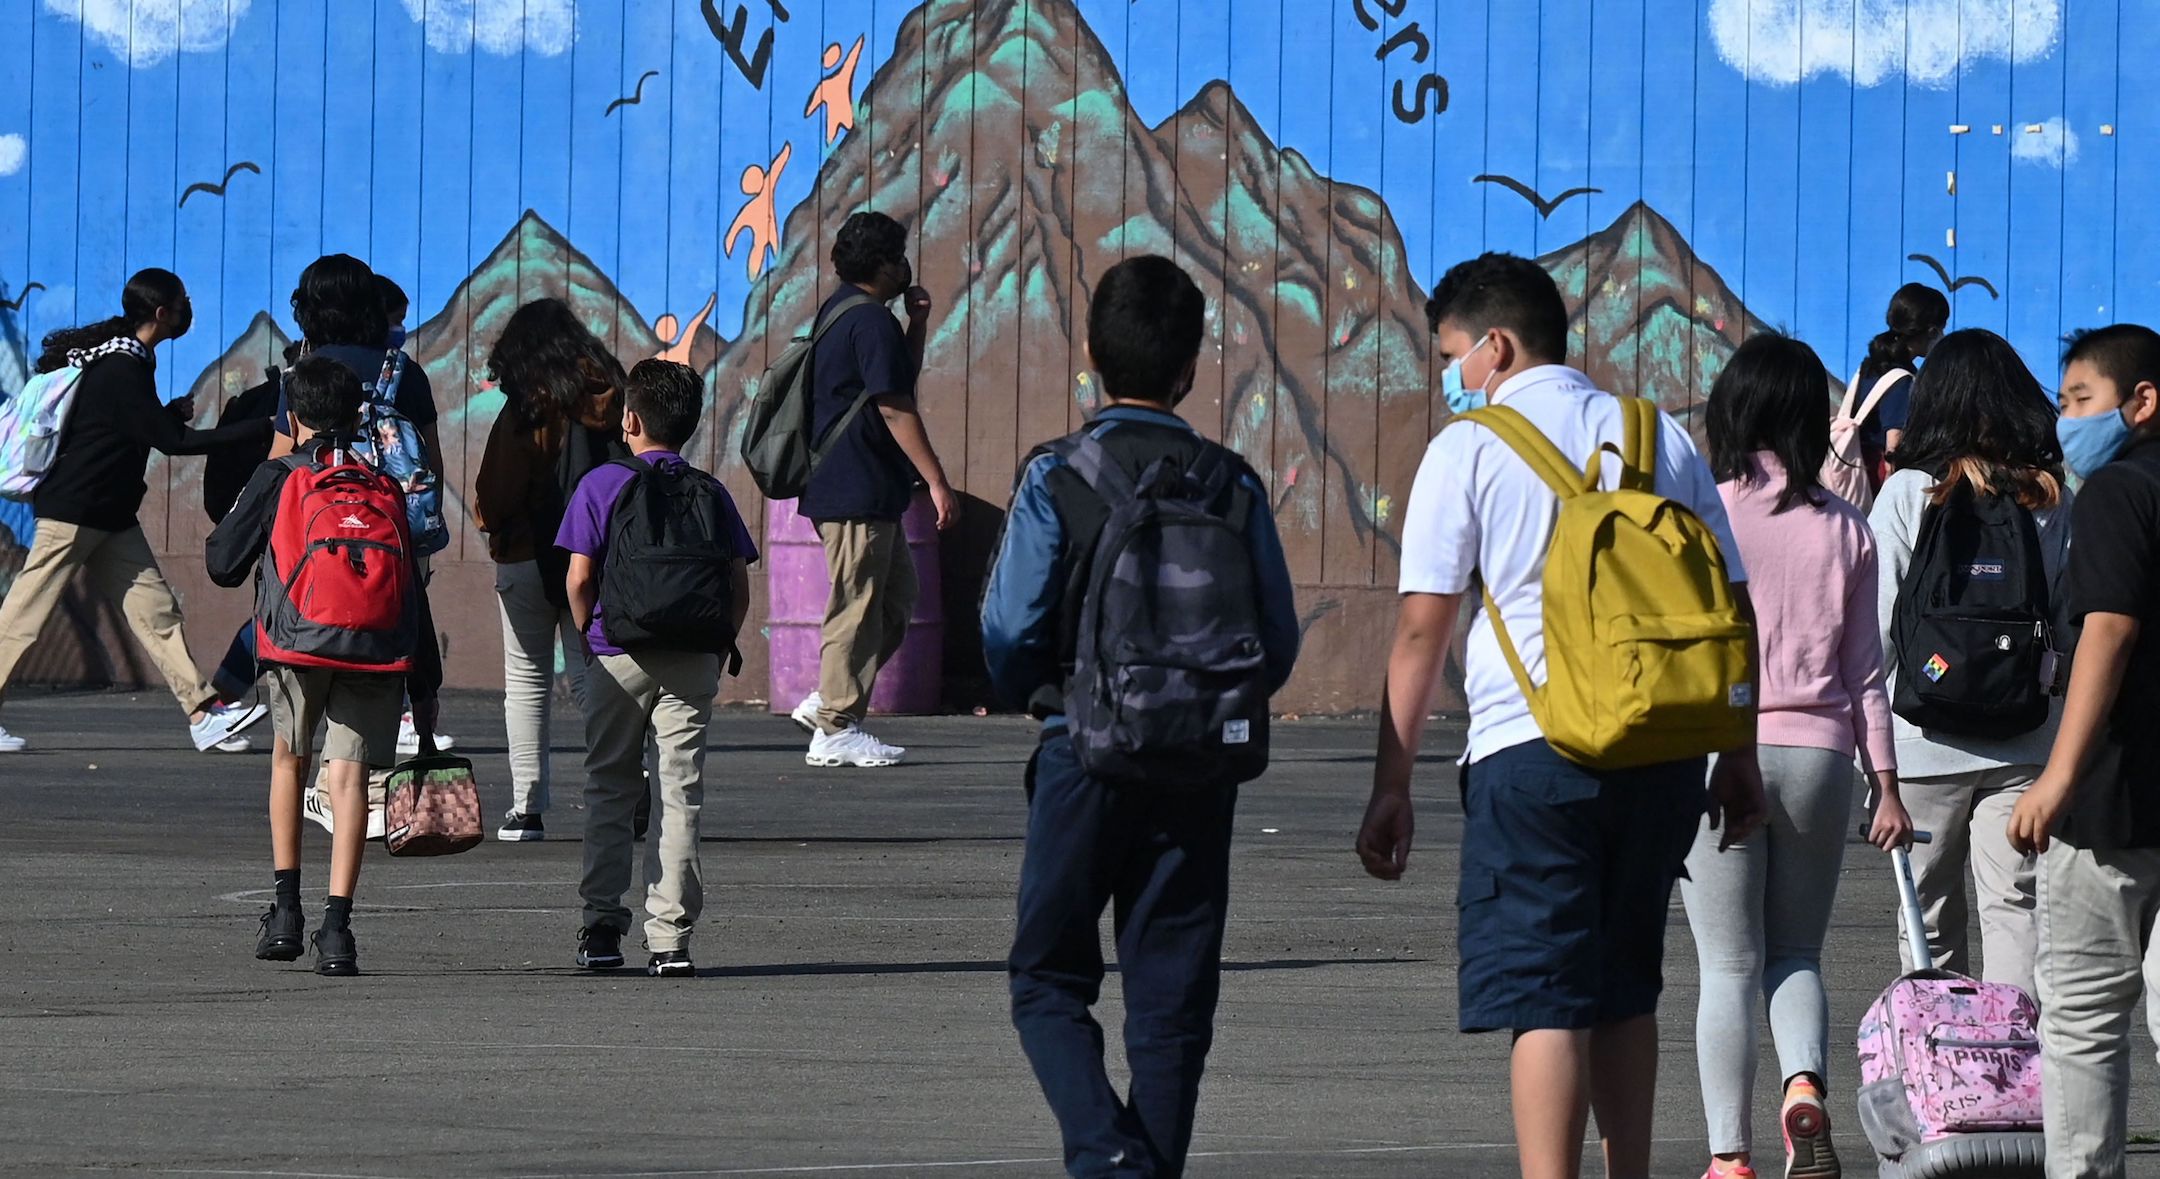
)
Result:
{"points": [[836, 93], [758, 217], [679, 339]]}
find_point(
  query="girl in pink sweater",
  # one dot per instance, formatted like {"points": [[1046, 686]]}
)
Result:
{"points": [[1760, 910]]}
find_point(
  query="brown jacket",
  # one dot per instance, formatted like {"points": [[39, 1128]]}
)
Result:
{"points": [[515, 497]]}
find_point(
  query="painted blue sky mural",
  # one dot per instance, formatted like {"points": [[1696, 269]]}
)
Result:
{"points": [[1690, 170]]}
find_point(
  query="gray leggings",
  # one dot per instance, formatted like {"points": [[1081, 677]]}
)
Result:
{"points": [[1759, 913]]}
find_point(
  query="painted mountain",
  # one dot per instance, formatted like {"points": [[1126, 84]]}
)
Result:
{"points": [[1647, 316], [1314, 314], [239, 368], [532, 261]]}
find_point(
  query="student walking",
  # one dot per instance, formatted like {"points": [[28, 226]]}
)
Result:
{"points": [[862, 487], [1982, 433], [2094, 814], [88, 504], [561, 418], [1913, 324], [1761, 908], [1567, 870], [338, 609], [1145, 821], [659, 581]]}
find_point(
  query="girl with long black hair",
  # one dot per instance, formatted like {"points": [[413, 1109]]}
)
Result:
{"points": [[561, 417], [87, 504], [1760, 909], [1980, 419]]}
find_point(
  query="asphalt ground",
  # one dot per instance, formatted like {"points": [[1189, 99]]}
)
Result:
{"points": [[850, 1013]]}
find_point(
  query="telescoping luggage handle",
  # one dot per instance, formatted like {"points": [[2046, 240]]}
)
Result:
{"points": [[1909, 893]]}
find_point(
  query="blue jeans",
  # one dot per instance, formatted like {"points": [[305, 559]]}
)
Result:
{"points": [[237, 672], [1160, 857]]}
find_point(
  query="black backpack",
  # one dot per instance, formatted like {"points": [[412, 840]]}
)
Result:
{"points": [[1973, 626], [668, 579], [1169, 679]]}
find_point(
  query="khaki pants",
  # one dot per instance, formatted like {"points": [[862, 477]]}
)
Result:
{"points": [[670, 695], [1969, 817], [2097, 956], [866, 618], [122, 568]]}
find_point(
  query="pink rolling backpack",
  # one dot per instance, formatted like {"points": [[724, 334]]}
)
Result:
{"points": [[1950, 1069]]}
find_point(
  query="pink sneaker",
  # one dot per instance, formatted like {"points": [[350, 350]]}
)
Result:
{"points": [[1808, 1150], [1739, 1171]]}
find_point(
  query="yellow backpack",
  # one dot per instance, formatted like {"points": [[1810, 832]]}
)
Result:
{"points": [[1647, 657]]}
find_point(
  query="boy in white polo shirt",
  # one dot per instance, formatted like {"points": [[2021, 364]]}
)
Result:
{"points": [[1567, 872]]}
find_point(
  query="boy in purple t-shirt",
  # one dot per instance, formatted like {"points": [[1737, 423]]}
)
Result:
{"points": [[653, 690]]}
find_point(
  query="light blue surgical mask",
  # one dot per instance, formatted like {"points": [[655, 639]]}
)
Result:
{"points": [[1461, 400], [397, 336], [2090, 443]]}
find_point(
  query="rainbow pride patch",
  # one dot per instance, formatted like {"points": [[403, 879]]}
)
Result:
{"points": [[1935, 668]]}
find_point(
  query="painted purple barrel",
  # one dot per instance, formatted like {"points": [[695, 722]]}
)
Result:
{"points": [[797, 587]]}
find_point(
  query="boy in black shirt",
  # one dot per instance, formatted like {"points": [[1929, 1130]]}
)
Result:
{"points": [[2095, 812]]}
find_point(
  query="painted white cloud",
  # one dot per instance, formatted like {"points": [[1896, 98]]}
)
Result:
{"points": [[502, 27], [146, 32], [1869, 41], [12, 152], [2054, 144]]}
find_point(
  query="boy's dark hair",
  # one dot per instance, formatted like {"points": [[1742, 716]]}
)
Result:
{"points": [[866, 242], [324, 395], [1503, 291], [667, 397], [394, 302], [1770, 397], [337, 303], [2126, 353], [1145, 325]]}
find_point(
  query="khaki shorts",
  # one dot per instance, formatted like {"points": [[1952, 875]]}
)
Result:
{"points": [[362, 709]]}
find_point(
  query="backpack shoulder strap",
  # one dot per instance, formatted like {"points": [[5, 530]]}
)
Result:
{"points": [[1097, 468], [1532, 446], [1881, 389], [825, 324], [384, 392], [1640, 450]]}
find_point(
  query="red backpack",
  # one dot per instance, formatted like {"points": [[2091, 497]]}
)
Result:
{"points": [[336, 586]]}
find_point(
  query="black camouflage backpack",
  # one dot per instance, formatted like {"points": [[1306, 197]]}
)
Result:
{"points": [[1972, 628], [777, 442], [668, 582], [1169, 684]]}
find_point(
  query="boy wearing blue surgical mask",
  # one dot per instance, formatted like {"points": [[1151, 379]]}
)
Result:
{"points": [[2094, 814]]}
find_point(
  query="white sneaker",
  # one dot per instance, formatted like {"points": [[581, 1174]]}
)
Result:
{"points": [[222, 722], [408, 739], [234, 745], [10, 743], [805, 714], [851, 747], [315, 807]]}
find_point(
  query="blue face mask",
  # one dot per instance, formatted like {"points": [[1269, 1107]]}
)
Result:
{"points": [[2090, 443], [1459, 399], [397, 336]]}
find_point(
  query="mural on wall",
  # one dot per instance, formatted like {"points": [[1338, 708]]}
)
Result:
{"points": [[1689, 171]]}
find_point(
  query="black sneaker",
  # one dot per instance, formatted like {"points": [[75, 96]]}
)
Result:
{"points": [[281, 930], [599, 947], [671, 964], [337, 954], [520, 828]]}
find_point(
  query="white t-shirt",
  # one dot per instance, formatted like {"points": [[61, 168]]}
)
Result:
{"points": [[1478, 509]]}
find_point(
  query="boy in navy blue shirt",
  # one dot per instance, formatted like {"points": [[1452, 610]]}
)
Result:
{"points": [[1162, 852]]}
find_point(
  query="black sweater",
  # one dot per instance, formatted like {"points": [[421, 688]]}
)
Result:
{"points": [[96, 480]]}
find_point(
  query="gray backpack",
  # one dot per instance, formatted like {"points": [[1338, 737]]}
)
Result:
{"points": [[776, 444], [1169, 682]]}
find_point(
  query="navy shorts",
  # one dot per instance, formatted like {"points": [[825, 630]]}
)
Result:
{"points": [[1567, 876]]}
